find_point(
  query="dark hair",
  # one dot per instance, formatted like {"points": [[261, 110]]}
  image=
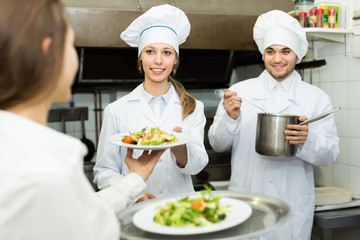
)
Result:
{"points": [[25, 71]]}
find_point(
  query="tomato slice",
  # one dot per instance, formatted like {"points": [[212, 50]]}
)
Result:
{"points": [[128, 139], [196, 205]]}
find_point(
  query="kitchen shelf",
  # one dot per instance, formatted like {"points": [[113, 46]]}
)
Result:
{"points": [[326, 34]]}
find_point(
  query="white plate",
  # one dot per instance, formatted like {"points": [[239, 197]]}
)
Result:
{"points": [[240, 212], [117, 139]]}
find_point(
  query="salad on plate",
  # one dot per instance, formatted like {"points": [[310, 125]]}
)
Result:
{"points": [[202, 210], [150, 136]]}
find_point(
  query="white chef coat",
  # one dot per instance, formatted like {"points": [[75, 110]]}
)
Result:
{"points": [[44, 193], [288, 178], [132, 113]]}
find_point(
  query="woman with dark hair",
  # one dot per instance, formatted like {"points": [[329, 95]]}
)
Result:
{"points": [[44, 193], [160, 101]]}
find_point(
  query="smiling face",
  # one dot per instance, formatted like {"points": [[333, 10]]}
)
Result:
{"points": [[158, 60], [279, 61]]}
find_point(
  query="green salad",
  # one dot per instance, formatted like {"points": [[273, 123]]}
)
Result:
{"points": [[150, 136], [203, 210]]}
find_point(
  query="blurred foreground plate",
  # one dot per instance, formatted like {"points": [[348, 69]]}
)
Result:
{"points": [[240, 212]]}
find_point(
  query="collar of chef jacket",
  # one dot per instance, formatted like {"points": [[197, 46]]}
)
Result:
{"points": [[286, 84], [266, 82], [157, 103], [161, 100], [137, 94]]}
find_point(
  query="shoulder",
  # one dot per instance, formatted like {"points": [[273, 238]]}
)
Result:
{"points": [[198, 111], [199, 108], [199, 104], [311, 97], [311, 90]]}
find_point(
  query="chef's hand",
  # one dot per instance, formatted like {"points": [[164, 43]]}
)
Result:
{"points": [[144, 165], [232, 104], [147, 196], [180, 151], [297, 134]]}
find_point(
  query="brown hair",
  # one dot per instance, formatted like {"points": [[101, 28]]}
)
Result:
{"points": [[188, 102], [25, 71]]}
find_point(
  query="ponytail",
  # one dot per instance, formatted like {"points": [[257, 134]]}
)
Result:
{"points": [[188, 102]]}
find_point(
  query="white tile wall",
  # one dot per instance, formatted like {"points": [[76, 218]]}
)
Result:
{"points": [[323, 176], [340, 78], [342, 122], [344, 151], [340, 174], [340, 94], [354, 96]]}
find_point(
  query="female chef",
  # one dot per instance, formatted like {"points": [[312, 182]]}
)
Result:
{"points": [[44, 193], [160, 101]]}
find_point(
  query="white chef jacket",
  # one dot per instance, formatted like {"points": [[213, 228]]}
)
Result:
{"points": [[132, 113], [288, 178], [44, 193]]}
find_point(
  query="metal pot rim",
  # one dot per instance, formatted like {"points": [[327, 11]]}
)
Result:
{"points": [[277, 115]]}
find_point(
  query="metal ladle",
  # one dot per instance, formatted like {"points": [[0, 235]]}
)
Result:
{"points": [[220, 93]]}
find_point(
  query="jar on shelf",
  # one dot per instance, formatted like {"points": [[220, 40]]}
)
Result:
{"points": [[332, 17], [303, 6], [302, 19], [320, 18], [312, 17]]}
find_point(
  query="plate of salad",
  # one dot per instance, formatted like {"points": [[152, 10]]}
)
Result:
{"points": [[150, 139], [201, 213]]}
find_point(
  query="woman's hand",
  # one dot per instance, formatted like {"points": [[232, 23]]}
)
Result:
{"points": [[144, 165], [297, 134], [232, 104], [147, 196]]}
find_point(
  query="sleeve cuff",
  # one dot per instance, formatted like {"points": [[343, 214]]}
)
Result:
{"points": [[124, 192], [231, 124]]}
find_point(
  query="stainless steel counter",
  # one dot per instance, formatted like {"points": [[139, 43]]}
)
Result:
{"points": [[340, 218]]}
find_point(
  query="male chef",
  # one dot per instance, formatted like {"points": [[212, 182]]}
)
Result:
{"points": [[279, 89]]}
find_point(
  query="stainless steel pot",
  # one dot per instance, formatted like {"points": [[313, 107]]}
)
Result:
{"points": [[270, 137]]}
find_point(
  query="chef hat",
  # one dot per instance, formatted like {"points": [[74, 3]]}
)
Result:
{"points": [[277, 27], [160, 24]]}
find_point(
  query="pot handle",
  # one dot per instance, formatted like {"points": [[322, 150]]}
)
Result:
{"points": [[320, 116]]}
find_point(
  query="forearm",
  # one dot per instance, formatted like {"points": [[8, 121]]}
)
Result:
{"points": [[181, 155]]}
